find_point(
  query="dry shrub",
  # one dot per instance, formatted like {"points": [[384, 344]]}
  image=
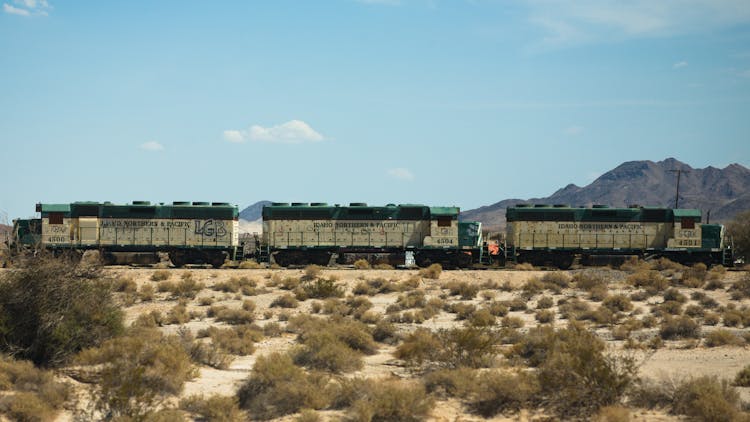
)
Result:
{"points": [[364, 288], [679, 327], [250, 264], [311, 272], [391, 401], [589, 280], [160, 275], [708, 399], [239, 340], [456, 382], [321, 288], [633, 265], [544, 316], [556, 278], [723, 337], [648, 279], [714, 284], [472, 347], [617, 303], [276, 387], [362, 264], [497, 309], [383, 266], [124, 285], [138, 371], [501, 392], [662, 264], [732, 318], [742, 379], [177, 315], [308, 415], [185, 288], [147, 293], [286, 300], [532, 286], [545, 302], [34, 393], [50, 310], [233, 316], [216, 408], [597, 294], [697, 271], [516, 304], [577, 377], [332, 345], [741, 288], [675, 295], [385, 332], [481, 318], [432, 272], [466, 290]]}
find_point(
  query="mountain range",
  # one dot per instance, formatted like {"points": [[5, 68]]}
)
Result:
{"points": [[719, 193]]}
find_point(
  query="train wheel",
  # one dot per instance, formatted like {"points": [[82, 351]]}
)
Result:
{"points": [[216, 259], [178, 258]]}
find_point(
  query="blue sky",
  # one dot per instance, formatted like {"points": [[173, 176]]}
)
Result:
{"points": [[424, 101]]}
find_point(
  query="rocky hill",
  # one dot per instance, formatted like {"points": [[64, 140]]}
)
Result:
{"points": [[723, 192], [253, 212]]}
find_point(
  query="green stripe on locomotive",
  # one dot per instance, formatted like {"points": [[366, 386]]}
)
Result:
{"points": [[469, 234], [599, 214], [355, 211], [143, 209]]}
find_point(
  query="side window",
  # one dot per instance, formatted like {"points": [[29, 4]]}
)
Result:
{"points": [[55, 218], [688, 223], [444, 221]]}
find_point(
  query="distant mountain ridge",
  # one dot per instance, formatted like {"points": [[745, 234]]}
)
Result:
{"points": [[724, 192], [254, 211]]}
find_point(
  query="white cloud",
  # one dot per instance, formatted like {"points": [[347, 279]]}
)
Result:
{"points": [[589, 21], [152, 146], [234, 136], [680, 65], [573, 130], [291, 132], [400, 173], [15, 10]]}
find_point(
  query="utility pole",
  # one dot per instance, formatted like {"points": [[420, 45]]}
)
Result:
{"points": [[677, 195]]}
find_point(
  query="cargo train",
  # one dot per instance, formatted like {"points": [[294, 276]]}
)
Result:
{"points": [[406, 234]]}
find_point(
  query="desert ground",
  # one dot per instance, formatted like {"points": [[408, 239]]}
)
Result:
{"points": [[517, 300]]}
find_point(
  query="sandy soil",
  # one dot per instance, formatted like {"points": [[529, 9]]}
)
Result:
{"points": [[675, 359]]}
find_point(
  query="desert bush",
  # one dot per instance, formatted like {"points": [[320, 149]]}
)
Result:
{"points": [[362, 264], [516, 304], [732, 318], [229, 286], [364, 288], [617, 303], [431, 272], [695, 311], [137, 371], [679, 327], [545, 302], [185, 288], [392, 401], [532, 286], [178, 314], [308, 415], [235, 316], [481, 318], [385, 332], [238, 340], [649, 279], [277, 387], [589, 280], [34, 395], [722, 337], [311, 272], [523, 266], [324, 351], [670, 307], [741, 288], [742, 379], [556, 278], [250, 264], [216, 408], [573, 309], [50, 310], [286, 300], [511, 322], [147, 293], [466, 290], [160, 275], [496, 392], [321, 288], [675, 295], [472, 347], [544, 316], [707, 399], [124, 285], [497, 309], [457, 382], [577, 377], [413, 299]]}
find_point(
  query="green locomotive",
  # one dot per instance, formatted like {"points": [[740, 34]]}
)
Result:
{"points": [[191, 233], [557, 234]]}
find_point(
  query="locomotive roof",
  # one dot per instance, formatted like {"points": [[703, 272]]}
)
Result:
{"points": [[355, 211], [598, 213], [142, 209]]}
